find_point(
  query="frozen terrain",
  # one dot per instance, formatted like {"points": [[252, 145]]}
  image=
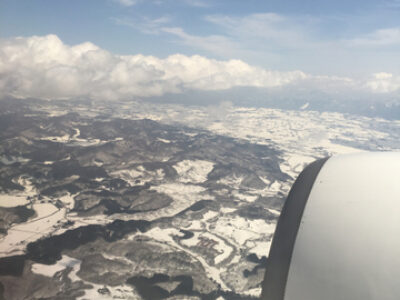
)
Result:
{"points": [[134, 200]]}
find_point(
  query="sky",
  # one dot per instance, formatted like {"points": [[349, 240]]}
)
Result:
{"points": [[140, 48]]}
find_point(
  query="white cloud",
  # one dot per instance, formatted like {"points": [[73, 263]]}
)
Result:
{"points": [[378, 38], [127, 2], [309, 43], [384, 83], [196, 3], [269, 27], [144, 24], [282, 41], [193, 3], [44, 67], [298, 32], [218, 45], [252, 36]]}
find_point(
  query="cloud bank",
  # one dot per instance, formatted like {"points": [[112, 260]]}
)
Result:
{"points": [[44, 67]]}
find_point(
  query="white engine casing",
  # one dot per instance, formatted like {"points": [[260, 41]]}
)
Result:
{"points": [[338, 237]]}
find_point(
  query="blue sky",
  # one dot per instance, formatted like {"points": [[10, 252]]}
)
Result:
{"points": [[319, 37], [169, 46]]}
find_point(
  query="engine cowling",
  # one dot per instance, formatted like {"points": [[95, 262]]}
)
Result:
{"points": [[338, 236]]}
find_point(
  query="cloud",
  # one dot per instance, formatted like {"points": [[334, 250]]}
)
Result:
{"points": [[384, 83], [127, 2], [45, 67], [144, 24], [272, 39], [197, 3], [314, 44], [269, 27], [378, 38], [219, 45], [193, 3], [298, 32], [256, 35]]}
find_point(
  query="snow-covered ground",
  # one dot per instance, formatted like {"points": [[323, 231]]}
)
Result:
{"points": [[299, 136], [20, 198], [220, 246], [59, 139], [244, 196], [195, 171], [9, 200], [244, 232], [165, 235], [293, 163], [68, 201], [46, 222], [183, 195], [232, 181], [164, 140], [111, 292], [50, 270], [139, 175], [9, 160], [74, 139], [302, 135]]}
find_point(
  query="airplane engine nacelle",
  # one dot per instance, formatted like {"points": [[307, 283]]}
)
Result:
{"points": [[338, 236]]}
